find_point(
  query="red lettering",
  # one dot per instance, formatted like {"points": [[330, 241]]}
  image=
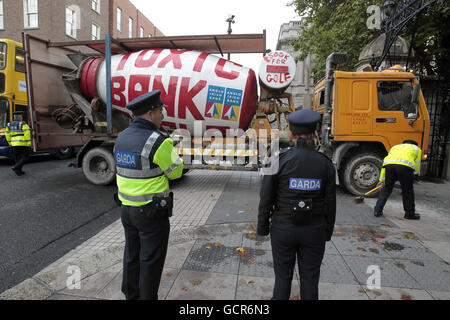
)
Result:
{"points": [[168, 98], [186, 96], [174, 56], [200, 60], [225, 74], [117, 96], [123, 61], [139, 79], [145, 63], [171, 125]]}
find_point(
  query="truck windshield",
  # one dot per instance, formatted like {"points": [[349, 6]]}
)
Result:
{"points": [[395, 96], [2, 55]]}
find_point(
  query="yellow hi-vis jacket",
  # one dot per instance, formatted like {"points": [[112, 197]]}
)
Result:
{"points": [[18, 134], [404, 154], [145, 161]]}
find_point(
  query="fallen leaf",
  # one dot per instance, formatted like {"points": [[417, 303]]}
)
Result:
{"points": [[399, 265], [260, 253], [405, 297], [374, 250], [251, 261], [251, 235], [409, 236], [208, 246], [195, 282], [241, 251], [379, 236], [377, 242], [258, 243], [337, 232], [250, 281], [168, 274], [297, 297], [184, 289], [218, 244], [81, 238], [361, 249]]}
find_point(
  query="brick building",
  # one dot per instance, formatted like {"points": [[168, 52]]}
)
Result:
{"points": [[65, 20]]}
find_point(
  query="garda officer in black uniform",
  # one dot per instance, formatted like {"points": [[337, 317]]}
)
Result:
{"points": [[145, 161], [298, 207]]}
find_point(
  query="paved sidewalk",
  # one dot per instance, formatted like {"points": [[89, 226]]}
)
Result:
{"points": [[214, 252]]}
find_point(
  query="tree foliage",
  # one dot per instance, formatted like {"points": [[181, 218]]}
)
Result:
{"points": [[340, 26]]}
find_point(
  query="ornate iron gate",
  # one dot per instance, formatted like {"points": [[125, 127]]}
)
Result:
{"points": [[437, 98]]}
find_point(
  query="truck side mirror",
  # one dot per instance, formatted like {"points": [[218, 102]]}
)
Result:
{"points": [[415, 103]]}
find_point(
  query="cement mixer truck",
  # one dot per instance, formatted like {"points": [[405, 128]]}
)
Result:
{"points": [[214, 113]]}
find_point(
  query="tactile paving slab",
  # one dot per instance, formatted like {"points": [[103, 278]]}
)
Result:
{"points": [[256, 263], [393, 273], [358, 246], [432, 275], [335, 270], [399, 247], [209, 257]]}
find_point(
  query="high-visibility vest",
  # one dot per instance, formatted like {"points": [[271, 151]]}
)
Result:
{"points": [[18, 134], [145, 161], [403, 154]]}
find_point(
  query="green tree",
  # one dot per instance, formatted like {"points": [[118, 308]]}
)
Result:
{"points": [[340, 26]]}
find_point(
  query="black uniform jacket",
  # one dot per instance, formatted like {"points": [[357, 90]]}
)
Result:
{"points": [[303, 173]]}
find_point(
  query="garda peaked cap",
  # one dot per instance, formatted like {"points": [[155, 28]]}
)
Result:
{"points": [[146, 102], [303, 121], [18, 113]]}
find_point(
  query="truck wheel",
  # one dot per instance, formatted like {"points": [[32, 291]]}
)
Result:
{"points": [[63, 153], [99, 166], [361, 173]]}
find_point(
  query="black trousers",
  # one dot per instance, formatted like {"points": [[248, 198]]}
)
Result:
{"points": [[21, 156], [146, 240], [307, 244], [404, 174]]}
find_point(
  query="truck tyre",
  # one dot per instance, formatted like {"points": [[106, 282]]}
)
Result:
{"points": [[361, 173], [63, 153], [99, 166]]}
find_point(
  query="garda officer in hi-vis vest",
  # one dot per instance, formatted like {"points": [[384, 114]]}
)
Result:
{"points": [[298, 207], [18, 135], [145, 161], [402, 162]]}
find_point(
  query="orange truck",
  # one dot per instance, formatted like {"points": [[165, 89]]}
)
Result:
{"points": [[364, 114]]}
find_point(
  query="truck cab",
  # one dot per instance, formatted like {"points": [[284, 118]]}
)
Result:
{"points": [[370, 113]]}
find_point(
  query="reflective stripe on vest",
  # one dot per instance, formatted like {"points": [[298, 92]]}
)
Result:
{"points": [[173, 166], [396, 161], [143, 198]]}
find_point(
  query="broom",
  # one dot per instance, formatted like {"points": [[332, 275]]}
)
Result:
{"points": [[361, 198]]}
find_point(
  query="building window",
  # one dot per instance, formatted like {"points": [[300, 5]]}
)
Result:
{"points": [[95, 32], [30, 12], [71, 17], [141, 32], [96, 5], [119, 19], [2, 23], [130, 28]]}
